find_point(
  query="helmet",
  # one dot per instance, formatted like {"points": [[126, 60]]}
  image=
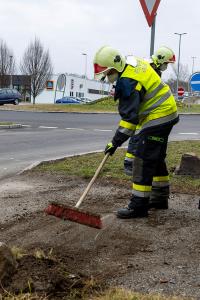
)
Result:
{"points": [[106, 59], [163, 55]]}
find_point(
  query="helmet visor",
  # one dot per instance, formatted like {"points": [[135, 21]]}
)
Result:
{"points": [[172, 59], [100, 72]]}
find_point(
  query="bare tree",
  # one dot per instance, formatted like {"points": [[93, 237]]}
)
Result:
{"points": [[7, 63], [36, 62], [183, 77], [184, 73]]}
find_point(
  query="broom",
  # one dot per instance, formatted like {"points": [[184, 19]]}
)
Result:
{"points": [[74, 213]]}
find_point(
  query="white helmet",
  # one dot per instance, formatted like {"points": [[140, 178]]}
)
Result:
{"points": [[163, 55], [106, 59]]}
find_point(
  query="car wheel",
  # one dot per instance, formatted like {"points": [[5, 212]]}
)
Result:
{"points": [[16, 102]]}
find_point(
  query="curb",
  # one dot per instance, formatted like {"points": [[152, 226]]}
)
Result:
{"points": [[82, 112], [10, 126], [46, 161], [62, 112]]}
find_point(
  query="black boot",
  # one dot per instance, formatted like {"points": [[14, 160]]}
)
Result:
{"points": [[137, 208], [159, 198]]}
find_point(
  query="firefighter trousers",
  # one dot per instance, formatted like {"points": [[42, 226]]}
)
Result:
{"points": [[149, 165]]}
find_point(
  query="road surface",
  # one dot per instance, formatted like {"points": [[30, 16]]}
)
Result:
{"points": [[46, 136]]}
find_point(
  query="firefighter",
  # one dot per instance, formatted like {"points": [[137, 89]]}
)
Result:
{"points": [[148, 109], [159, 62]]}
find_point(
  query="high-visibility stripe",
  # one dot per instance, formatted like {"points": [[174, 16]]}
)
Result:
{"points": [[127, 125], [141, 194], [160, 183], [142, 188], [130, 155], [126, 131], [129, 159], [158, 121], [161, 178], [155, 105], [154, 92]]}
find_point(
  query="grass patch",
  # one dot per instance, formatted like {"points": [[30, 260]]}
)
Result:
{"points": [[27, 296], [106, 104], [119, 294], [188, 108], [6, 123], [86, 165], [101, 105]]}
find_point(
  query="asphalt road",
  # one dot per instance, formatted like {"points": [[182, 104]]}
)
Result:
{"points": [[46, 136]]}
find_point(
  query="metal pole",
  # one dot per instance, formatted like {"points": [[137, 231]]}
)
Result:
{"points": [[11, 84], [193, 58], [179, 51], [179, 54], [85, 54], [152, 36]]}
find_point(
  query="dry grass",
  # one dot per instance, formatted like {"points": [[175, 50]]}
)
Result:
{"points": [[101, 105], [121, 294], [85, 166], [27, 296]]}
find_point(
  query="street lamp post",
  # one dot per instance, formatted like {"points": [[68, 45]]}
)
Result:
{"points": [[11, 60], [85, 54], [193, 58], [179, 54]]}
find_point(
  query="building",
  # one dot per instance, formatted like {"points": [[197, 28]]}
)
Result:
{"points": [[22, 83], [73, 85]]}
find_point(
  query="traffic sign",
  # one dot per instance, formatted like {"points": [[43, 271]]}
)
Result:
{"points": [[181, 91], [195, 82], [149, 8]]}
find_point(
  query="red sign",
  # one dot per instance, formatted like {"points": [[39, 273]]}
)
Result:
{"points": [[149, 8], [181, 91]]}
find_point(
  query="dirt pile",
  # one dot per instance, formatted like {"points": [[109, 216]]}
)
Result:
{"points": [[158, 254]]}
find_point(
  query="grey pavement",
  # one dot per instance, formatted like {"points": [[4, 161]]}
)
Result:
{"points": [[47, 136]]}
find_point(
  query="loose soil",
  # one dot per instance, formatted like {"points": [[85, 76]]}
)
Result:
{"points": [[155, 254]]}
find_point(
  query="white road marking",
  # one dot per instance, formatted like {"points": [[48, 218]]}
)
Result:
{"points": [[74, 128], [26, 125], [48, 127], [102, 129], [192, 133]]}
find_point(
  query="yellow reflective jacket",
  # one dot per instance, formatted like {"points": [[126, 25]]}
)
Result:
{"points": [[158, 105]]}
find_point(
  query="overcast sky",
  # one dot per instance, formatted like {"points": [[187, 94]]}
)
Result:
{"points": [[71, 27]]}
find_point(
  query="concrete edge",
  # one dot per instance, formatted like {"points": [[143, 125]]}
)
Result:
{"points": [[62, 112], [37, 163], [81, 112], [11, 126]]}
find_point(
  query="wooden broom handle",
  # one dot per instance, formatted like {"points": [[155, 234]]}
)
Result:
{"points": [[92, 180]]}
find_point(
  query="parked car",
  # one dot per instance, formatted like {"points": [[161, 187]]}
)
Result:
{"points": [[9, 96], [68, 100], [85, 100]]}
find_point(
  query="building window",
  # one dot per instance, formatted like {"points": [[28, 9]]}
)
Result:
{"points": [[71, 94], [72, 84], [49, 84], [97, 92]]}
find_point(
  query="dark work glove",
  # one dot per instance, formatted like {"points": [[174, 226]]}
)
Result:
{"points": [[110, 148]]}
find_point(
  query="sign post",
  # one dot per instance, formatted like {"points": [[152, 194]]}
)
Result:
{"points": [[149, 8]]}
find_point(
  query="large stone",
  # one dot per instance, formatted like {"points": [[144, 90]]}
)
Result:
{"points": [[190, 165], [7, 262]]}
